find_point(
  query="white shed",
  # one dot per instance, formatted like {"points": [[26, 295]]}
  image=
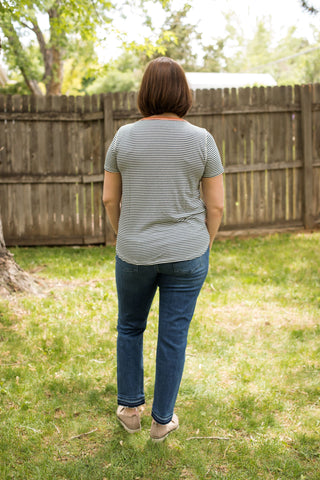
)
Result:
{"points": [[198, 80]]}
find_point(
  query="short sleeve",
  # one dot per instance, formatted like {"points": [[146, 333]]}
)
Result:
{"points": [[213, 166], [110, 164]]}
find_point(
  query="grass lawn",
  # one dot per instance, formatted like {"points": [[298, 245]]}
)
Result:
{"points": [[249, 400]]}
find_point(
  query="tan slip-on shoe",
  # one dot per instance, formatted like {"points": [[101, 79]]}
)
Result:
{"points": [[129, 418], [159, 432]]}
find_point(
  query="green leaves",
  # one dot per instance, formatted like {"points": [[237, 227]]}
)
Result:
{"points": [[57, 26]]}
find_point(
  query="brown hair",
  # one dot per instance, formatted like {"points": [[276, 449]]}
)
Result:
{"points": [[164, 89]]}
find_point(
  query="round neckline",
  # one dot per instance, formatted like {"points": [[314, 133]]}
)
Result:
{"points": [[155, 117]]}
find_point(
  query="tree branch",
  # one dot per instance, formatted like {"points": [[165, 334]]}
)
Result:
{"points": [[310, 8], [40, 38], [83, 434], [45, 51], [47, 58], [26, 25], [22, 62]]}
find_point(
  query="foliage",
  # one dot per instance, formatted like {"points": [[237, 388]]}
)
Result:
{"points": [[15, 87], [174, 39], [114, 81], [259, 47], [80, 68], [177, 38], [306, 5], [70, 25], [121, 75], [32, 57], [290, 60], [234, 43], [69, 22], [61, 58], [295, 69], [214, 58], [251, 373], [312, 61]]}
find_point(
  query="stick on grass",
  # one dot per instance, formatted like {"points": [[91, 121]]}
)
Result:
{"points": [[83, 434], [208, 438]]}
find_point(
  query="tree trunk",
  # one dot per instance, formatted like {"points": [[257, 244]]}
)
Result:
{"points": [[12, 277], [55, 76], [53, 57]]}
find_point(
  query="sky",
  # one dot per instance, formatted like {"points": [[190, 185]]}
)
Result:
{"points": [[208, 16]]}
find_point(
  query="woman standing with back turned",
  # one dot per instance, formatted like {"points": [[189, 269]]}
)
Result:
{"points": [[153, 171]]}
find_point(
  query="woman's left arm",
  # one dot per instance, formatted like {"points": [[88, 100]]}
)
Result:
{"points": [[112, 192]]}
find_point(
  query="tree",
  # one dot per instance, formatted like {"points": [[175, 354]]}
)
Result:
{"points": [[18, 85], [246, 53], [288, 63], [174, 39], [225, 54], [69, 23], [120, 75], [292, 59], [214, 58], [114, 81], [177, 36], [80, 69]]}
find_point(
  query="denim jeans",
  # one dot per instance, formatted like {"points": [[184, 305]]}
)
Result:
{"points": [[179, 286]]}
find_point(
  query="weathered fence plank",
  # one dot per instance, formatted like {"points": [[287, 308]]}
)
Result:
{"points": [[258, 159], [79, 132], [87, 168], [316, 151], [306, 113]]}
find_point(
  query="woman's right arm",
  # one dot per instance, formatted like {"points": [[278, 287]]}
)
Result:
{"points": [[213, 197], [112, 192]]}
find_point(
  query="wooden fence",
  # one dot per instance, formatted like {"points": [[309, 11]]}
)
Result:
{"points": [[52, 153]]}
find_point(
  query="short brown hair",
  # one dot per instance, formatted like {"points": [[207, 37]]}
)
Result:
{"points": [[164, 89]]}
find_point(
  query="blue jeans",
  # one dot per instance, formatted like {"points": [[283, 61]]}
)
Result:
{"points": [[179, 286]]}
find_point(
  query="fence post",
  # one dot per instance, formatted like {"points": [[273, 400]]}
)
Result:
{"points": [[306, 121], [108, 136]]}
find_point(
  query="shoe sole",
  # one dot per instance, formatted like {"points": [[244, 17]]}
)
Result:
{"points": [[161, 439], [129, 430]]}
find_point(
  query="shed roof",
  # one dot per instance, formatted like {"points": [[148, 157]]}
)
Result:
{"points": [[228, 80]]}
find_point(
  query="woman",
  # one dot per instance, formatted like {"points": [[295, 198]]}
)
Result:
{"points": [[153, 171]]}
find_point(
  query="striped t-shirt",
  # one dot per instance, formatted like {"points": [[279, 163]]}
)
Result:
{"points": [[161, 162]]}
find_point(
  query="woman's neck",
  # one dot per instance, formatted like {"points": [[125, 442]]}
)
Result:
{"points": [[167, 115]]}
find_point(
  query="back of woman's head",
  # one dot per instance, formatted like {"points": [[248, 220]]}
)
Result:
{"points": [[164, 89]]}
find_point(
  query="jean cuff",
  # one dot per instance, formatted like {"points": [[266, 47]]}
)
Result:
{"points": [[130, 403], [161, 420]]}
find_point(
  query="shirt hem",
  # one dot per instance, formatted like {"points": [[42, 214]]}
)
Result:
{"points": [[163, 261]]}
